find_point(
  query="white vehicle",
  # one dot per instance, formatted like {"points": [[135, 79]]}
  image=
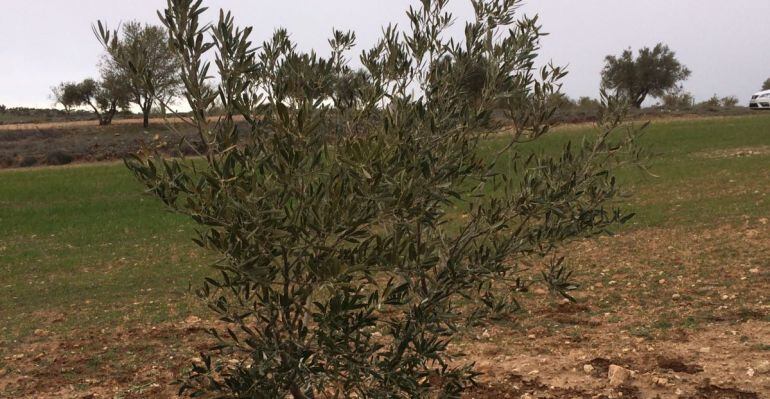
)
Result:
{"points": [[760, 100]]}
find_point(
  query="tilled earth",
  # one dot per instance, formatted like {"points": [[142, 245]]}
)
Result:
{"points": [[682, 313], [73, 142]]}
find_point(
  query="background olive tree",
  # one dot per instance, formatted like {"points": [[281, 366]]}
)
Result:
{"points": [[766, 85], [356, 238], [140, 54], [653, 72], [104, 97]]}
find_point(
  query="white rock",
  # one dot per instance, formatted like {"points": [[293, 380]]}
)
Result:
{"points": [[618, 376], [588, 368]]}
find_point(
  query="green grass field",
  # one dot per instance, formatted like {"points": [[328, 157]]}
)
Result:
{"points": [[81, 246]]}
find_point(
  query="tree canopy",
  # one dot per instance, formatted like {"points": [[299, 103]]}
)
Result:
{"points": [[104, 97], [766, 85], [652, 72], [140, 54]]}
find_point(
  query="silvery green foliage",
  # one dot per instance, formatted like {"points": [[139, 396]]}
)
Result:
{"points": [[359, 227]]}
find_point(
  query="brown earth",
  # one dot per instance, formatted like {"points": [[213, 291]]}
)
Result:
{"points": [[75, 143], [684, 310]]}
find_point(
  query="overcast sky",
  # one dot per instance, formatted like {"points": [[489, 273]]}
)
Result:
{"points": [[726, 44]]}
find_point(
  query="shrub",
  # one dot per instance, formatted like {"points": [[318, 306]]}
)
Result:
{"points": [[678, 101], [713, 104], [58, 158], [27, 161], [729, 101], [351, 257]]}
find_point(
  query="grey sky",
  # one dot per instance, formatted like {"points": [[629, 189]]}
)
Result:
{"points": [[724, 43]]}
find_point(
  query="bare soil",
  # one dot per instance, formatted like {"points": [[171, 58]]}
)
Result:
{"points": [[685, 310], [79, 142]]}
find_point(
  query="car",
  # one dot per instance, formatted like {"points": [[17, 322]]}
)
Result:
{"points": [[760, 100]]}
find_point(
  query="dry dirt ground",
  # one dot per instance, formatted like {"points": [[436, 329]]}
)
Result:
{"points": [[684, 311], [73, 142]]}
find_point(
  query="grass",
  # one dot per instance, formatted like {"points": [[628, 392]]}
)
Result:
{"points": [[81, 246]]}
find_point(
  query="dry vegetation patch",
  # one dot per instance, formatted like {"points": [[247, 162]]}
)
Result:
{"points": [[734, 152]]}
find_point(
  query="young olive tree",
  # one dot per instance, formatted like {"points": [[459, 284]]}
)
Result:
{"points": [[357, 236]]}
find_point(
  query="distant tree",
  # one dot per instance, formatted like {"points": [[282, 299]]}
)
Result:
{"points": [[350, 88], [652, 73], [729, 101], [72, 94], [140, 55], [712, 103], [766, 85], [677, 99], [104, 98]]}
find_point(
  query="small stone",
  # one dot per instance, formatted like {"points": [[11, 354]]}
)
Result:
{"points": [[754, 270], [750, 372], [486, 334], [675, 296], [618, 376], [661, 381], [662, 281], [705, 349], [588, 368]]}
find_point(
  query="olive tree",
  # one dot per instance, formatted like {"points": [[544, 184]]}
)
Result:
{"points": [[350, 258], [104, 97], [653, 72], [140, 55], [766, 85]]}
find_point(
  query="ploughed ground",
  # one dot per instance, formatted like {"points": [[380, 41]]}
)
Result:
{"points": [[59, 144], [681, 312]]}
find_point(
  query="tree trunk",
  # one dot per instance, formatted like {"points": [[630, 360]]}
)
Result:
{"points": [[146, 118], [639, 98]]}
